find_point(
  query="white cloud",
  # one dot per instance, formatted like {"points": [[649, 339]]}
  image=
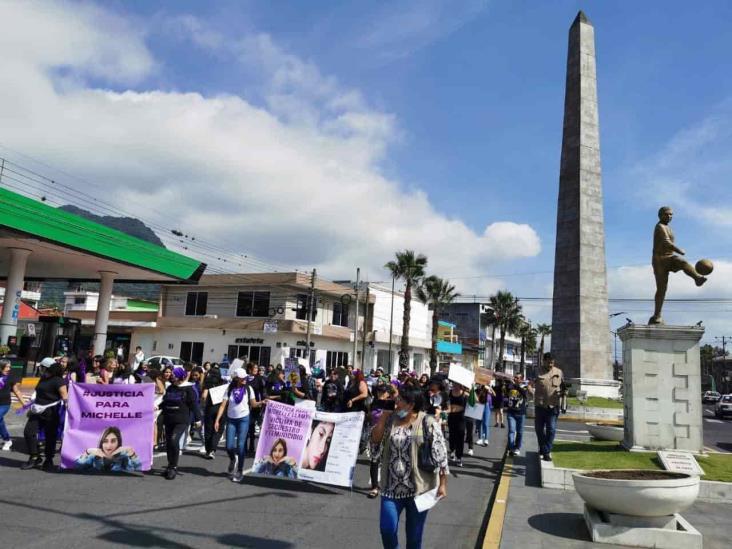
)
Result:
{"points": [[297, 180]]}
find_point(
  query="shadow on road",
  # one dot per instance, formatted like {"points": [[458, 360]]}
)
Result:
{"points": [[563, 525]]}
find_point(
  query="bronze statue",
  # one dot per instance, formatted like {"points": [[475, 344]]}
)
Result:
{"points": [[666, 261]]}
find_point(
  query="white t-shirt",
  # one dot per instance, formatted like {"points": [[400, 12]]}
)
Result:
{"points": [[139, 358], [129, 380], [238, 411]]}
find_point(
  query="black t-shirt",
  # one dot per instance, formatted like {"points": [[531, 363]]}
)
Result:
{"points": [[459, 400], [5, 392], [47, 390], [354, 390], [514, 399]]}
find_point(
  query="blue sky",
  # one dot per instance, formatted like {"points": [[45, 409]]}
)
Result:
{"points": [[454, 105]]}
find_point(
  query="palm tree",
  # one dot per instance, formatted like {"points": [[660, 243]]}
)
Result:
{"points": [[409, 268], [528, 342], [543, 330], [507, 311], [436, 293]]}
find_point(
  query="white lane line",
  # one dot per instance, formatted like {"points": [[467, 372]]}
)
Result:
{"points": [[713, 420]]}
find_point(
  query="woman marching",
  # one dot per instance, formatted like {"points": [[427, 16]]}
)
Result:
{"points": [[211, 436], [404, 475], [456, 422], [178, 403], [8, 385], [241, 400]]}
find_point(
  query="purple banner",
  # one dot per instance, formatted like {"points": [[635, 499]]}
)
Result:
{"points": [[282, 440], [109, 428]]}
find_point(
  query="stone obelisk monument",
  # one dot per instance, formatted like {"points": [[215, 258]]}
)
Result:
{"points": [[580, 324]]}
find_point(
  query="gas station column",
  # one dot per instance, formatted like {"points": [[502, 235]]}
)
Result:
{"points": [[102, 318], [13, 292]]}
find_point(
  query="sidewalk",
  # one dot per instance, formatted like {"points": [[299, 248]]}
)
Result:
{"points": [[541, 517]]}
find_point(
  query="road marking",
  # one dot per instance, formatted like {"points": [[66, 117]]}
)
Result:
{"points": [[713, 420], [494, 531]]}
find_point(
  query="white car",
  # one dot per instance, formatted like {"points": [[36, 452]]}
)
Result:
{"points": [[159, 361], [723, 406]]}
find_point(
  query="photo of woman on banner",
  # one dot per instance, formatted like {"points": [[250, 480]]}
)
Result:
{"points": [[110, 455], [277, 463], [316, 450]]}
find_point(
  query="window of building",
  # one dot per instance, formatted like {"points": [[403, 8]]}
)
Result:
{"points": [[334, 359], [340, 314], [79, 300], [258, 354], [196, 303], [191, 351], [252, 304]]}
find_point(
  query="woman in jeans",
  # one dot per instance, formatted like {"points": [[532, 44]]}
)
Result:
{"points": [[485, 397], [7, 386], [178, 402], [401, 433], [238, 405]]}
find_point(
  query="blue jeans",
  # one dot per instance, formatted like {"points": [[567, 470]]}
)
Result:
{"points": [[515, 430], [236, 439], [389, 523], [485, 424], [4, 430], [545, 424]]}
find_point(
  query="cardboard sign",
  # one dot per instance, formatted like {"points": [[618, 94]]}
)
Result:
{"points": [[461, 375], [483, 376], [680, 462], [475, 412], [217, 393]]}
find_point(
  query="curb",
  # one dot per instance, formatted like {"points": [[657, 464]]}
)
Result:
{"points": [[494, 530]]}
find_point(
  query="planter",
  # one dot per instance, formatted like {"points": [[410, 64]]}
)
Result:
{"points": [[606, 432], [639, 493]]}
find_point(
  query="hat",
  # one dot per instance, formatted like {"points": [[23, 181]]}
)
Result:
{"points": [[241, 373], [47, 362], [179, 372]]}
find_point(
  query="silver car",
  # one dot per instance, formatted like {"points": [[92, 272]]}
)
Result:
{"points": [[723, 407]]}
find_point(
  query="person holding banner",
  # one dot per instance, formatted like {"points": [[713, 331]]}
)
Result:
{"points": [[50, 391], [238, 405], [403, 476], [178, 403]]}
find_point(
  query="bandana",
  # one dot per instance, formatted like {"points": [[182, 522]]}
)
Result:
{"points": [[238, 394]]}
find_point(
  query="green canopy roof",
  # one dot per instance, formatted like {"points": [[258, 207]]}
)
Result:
{"points": [[66, 246]]}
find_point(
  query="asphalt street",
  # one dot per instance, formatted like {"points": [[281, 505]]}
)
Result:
{"points": [[203, 508]]}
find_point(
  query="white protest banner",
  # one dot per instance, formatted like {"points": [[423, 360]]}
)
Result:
{"points": [[236, 363], [475, 412], [284, 355], [332, 448], [461, 375], [305, 363], [321, 356], [217, 393]]}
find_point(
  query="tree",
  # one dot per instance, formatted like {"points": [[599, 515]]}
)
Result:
{"points": [[528, 341], [543, 330], [507, 311], [409, 268], [436, 293]]}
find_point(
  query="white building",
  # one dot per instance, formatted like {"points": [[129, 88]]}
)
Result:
{"points": [[263, 316]]}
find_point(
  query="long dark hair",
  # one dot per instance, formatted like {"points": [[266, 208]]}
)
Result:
{"points": [[111, 431], [279, 441]]}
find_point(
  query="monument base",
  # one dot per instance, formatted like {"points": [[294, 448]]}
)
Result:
{"points": [[669, 532], [606, 388], [662, 387]]}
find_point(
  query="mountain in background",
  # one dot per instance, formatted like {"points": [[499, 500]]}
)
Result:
{"points": [[52, 293]]}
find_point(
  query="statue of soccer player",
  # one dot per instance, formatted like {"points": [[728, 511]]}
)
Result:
{"points": [[666, 261]]}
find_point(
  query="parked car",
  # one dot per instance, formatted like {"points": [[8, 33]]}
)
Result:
{"points": [[723, 406], [159, 362], [711, 397]]}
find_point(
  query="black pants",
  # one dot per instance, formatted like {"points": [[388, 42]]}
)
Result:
{"points": [[48, 421], [469, 431], [211, 437], [173, 431], [253, 419], [374, 473], [456, 426]]}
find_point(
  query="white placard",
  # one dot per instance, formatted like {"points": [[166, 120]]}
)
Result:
{"points": [[680, 462], [217, 393], [475, 412], [305, 363], [461, 375], [426, 501], [237, 363]]}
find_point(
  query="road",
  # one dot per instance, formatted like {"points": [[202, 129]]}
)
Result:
{"points": [[717, 432], [203, 508]]}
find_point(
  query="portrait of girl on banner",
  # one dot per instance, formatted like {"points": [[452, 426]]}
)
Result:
{"points": [[110, 455]]}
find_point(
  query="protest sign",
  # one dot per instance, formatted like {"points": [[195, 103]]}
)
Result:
{"points": [[321, 356], [483, 376], [475, 412], [236, 364], [282, 440], [332, 448], [461, 375], [217, 393], [292, 371], [109, 428], [305, 363]]}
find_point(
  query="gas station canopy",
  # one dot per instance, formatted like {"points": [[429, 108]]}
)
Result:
{"points": [[68, 247]]}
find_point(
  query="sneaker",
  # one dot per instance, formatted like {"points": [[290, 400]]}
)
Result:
{"points": [[170, 473], [48, 466], [452, 456], [232, 465], [459, 463], [202, 450], [8, 444], [547, 457], [511, 453], [517, 452], [470, 452], [32, 463], [237, 477], [211, 455], [503, 425]]}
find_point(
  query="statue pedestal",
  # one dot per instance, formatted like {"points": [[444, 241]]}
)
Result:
{"points": [[662, 387], [606, 388]]}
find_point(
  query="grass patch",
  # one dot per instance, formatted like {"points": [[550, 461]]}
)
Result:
{"points": [[610, 455], [596, 402]]}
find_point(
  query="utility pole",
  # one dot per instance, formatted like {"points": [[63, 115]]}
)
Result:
{"points": [[391, 323], [365, 320], [311, 304], [355, 324], [724, 340]]}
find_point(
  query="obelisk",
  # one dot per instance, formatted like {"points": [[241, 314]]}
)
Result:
{"points": [[580, 339]]}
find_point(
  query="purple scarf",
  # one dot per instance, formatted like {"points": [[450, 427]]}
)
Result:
{"points": [[3, 381], [239, 394]]}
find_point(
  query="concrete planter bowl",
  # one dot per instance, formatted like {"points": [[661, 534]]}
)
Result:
{"points": [[605, 432], [638, 493]]}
